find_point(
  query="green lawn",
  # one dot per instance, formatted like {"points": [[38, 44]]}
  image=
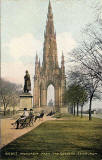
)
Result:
{"points": [[70, 139]]}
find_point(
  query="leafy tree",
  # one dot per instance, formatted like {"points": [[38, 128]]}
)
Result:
{"points": [[88, 56], [75, 95], [9, 94], [91, 85], [83, 99], [69, 99]]}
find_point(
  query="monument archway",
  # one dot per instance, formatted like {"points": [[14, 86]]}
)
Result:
{"points": [[50, 95], [49, 71]]}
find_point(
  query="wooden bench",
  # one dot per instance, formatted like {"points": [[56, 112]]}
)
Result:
{"points": [[27, 122], [39, 117], [24, 122]]}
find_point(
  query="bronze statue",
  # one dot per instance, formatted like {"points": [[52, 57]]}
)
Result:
{"points": [[27, 84]]}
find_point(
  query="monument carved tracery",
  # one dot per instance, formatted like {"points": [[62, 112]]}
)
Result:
{"points": [[49, 72]]}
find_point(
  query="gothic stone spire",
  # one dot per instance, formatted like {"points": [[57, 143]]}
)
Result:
{"points": [[50, 47]]}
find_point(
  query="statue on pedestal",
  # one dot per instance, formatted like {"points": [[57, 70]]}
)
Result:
{"points": [[27, 83]]}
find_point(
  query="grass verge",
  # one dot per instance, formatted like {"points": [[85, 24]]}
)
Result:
{"points": [[69, 139]]}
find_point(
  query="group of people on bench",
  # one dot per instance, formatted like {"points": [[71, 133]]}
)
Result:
{"points": [[31, 115], [24, 116]]}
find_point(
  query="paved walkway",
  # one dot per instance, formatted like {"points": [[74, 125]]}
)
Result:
{"points": [[9, 133]]}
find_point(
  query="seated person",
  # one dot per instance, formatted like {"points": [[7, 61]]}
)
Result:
{"points": [[31, 114], [50, 114], [23, 117]]}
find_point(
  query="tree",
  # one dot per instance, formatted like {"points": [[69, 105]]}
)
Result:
{"points": [[75, 95], [89, 51], [83, 99], [90, 84], [88, 55], [69, 98], [9, 94]]}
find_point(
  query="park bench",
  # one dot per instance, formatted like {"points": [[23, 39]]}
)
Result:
{"points": [[39, 117], [27, 122]]}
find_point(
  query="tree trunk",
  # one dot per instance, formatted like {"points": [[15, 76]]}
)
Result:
{"points": [[4, 111], [77, 109], [74, 109], [5, 107], [13, 110], [90, 104], [81, 111]]}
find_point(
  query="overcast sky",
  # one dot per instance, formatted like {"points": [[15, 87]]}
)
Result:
{"points": [[22, 31]]}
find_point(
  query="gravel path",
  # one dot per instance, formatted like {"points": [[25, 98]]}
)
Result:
{"points": [[9, 133]]}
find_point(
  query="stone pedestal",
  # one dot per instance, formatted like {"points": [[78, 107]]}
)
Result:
{"points": [[26, 101]]}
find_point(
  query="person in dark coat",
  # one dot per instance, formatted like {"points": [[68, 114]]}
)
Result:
{"points": [[22, 118], [31, 114]]}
